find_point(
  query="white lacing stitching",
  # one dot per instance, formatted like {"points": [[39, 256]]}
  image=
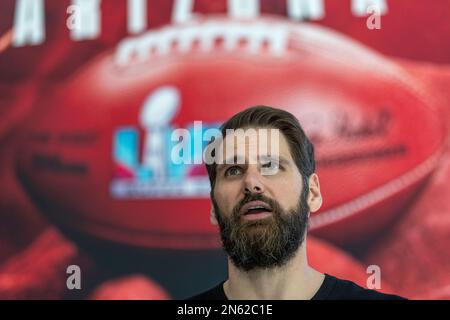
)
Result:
{"points": [[159, 43], [375, 196]]}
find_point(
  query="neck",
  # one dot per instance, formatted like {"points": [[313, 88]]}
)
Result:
{"points": [[294, 280]]}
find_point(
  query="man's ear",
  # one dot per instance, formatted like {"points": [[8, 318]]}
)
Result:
{"points": [[314, 195], [212, 216]]}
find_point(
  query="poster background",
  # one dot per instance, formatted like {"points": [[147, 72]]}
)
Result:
{"points": [[412, 34]]}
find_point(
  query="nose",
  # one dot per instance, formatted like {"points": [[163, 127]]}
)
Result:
{"points": [[252, 181]]}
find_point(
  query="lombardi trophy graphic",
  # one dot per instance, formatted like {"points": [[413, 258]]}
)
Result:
{"points": [[158, 110]]}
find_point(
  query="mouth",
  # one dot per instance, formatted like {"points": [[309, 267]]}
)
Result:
{"points": [[255, 210]]}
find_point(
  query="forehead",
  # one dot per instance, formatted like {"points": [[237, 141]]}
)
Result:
{"points": [[248, 143]]}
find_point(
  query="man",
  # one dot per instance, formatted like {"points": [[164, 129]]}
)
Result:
{"points": [[261, 201]]}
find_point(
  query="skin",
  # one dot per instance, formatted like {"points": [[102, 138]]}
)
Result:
{"points": [[296, 279]]}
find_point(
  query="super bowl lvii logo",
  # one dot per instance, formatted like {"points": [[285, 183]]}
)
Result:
{"points": [[152, 172]]}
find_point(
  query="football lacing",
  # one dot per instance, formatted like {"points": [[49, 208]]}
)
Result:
{"points": [[251, 37]]}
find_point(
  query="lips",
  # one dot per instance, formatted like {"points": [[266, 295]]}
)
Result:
{"points": [[255, 207]]}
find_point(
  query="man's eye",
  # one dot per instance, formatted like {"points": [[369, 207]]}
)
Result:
{"points": [[271, 165], [233, 171]]}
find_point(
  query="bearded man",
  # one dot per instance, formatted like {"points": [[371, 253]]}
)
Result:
{"points": [[263, 189]]}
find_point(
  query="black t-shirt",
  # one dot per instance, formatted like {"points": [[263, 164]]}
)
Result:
{"points": [[332, 288]]}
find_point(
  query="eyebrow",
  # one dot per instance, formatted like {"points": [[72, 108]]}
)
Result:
{"points": [[220, 167], [281, 159]]}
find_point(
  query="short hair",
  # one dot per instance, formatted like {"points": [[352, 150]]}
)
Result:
{"points": [[300, 147]]}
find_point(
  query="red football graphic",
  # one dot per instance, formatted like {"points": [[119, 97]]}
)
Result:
{"points": [[428, 23], [17, 212], [414, 256], [60, 52], [329, 259], [16, 102], [40, 271], [131, 287], [437, 77], [29, 71], [98, 161]]}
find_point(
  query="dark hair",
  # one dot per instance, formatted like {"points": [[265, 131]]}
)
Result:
{"points": [[301, 148]]}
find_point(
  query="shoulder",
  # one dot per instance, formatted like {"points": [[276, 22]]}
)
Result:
{"points": [[215, 293], [339, 289]]}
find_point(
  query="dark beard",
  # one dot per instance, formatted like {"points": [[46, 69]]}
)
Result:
{"points": [[265, 243]]}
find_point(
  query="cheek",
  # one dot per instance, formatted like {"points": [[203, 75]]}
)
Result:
{"points": [[224, 195], [284, 182], [286, 191]]}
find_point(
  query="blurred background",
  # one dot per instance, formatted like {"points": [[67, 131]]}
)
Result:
{"points": [[91, 92]]}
